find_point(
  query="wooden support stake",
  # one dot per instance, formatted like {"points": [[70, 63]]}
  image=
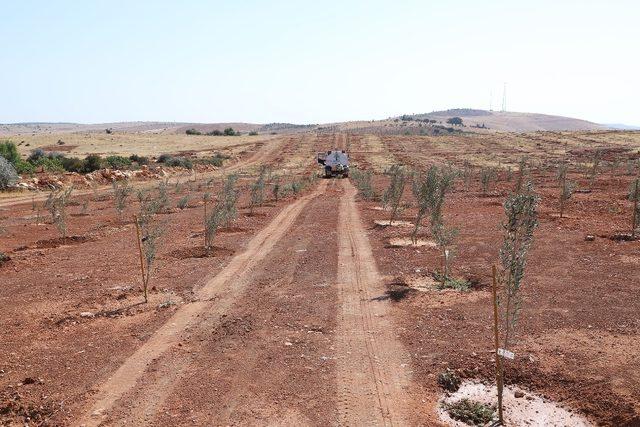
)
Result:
{"points": [[138, 234], [499, 380]]}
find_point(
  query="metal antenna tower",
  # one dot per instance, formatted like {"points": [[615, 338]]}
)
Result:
{"points": [[504, 98]]}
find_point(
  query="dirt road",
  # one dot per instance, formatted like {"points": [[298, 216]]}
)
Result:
{"points": [[303, 312], [373, 368]]}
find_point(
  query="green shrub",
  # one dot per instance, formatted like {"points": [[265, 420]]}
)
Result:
{"points": [[72, 164], [140, 160], [23, 167], [230, 132], [215, 132], [49, 164], [36, 154], [181, 162], [92, 162], [253, 133], [216, 160], [193, 132], [9, 151], [118, 162]]}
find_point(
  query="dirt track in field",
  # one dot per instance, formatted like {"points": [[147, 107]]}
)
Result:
{"points": [[374, 378], [367, 377], [213, 298], [265, 152]]}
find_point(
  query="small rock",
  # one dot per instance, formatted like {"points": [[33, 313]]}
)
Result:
{"points": [[518, 394], [590, 238], [87, 314]]}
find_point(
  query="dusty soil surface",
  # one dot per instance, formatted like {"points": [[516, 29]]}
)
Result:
{"points": [[578, 335], [304, 313]]}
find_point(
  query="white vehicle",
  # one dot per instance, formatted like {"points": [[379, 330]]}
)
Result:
{"points": [[335, 162]]}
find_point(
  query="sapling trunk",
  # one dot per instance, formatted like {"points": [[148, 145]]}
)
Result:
{"points": [[206, 235], [634, 195], [635, 217], [144, 276]]}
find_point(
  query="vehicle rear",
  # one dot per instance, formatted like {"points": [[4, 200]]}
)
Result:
{"points": [[335, 162]]}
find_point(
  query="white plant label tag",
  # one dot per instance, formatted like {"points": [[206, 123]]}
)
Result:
{"points": [[506, 353]]}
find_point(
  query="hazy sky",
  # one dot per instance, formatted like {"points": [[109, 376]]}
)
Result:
{"points": [[315, 61]]}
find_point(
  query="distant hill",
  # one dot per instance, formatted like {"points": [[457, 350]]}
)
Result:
{"points": [[512, 121], [425, 124], [621, 126]]}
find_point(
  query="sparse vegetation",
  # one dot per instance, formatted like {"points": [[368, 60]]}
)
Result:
{"points": [[449, 381], [140, 160], [443, 235], [487, 176], [424, 187], [56, 204], [212, 222], [363, 183], [229, 200], [595, 165], [121, 192], [148, 233], [193, 132], [523, 174], [392, 197], [183, 203], [257, 190], [521, 212], [163, 198], [181, 162], [471, 412], [118, 162], [566, 187], [276, 189], [634, 196]]}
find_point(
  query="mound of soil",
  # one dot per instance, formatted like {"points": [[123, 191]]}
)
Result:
{"points": [[61, 241]]}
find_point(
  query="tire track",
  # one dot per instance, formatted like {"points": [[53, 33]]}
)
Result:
{"points": [[228, 283], [373, 369]]}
